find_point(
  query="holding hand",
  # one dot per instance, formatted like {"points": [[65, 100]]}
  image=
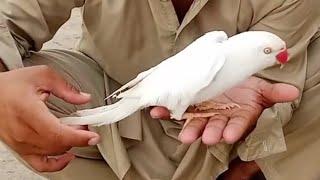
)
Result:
{"points": [[253, 96], [28, 127]]}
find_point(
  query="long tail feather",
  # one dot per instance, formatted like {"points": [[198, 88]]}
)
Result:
{"points": [[104, 115]]}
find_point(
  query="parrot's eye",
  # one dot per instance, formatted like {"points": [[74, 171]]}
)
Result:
{"points": [[267, 50]]}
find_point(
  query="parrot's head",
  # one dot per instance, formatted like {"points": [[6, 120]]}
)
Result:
{"points": [[262, 48]]}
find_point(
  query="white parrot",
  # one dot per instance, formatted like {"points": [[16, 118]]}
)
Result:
{"points": [[202, 71]]}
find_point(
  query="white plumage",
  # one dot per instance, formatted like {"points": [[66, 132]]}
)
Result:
{"points": [[203, 70]]}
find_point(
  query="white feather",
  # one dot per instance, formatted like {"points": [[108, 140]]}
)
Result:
{"points": [[114, 113], [203, 70]]}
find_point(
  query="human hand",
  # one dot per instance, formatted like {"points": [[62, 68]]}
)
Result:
{"points": [[253, 96], [28, 127]]}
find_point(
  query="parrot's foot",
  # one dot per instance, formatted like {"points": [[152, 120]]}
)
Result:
{"points": [[209, 105], [198, 115], [190, 116]]}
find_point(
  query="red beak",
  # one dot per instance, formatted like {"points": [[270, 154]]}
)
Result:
{"points": [[283, 56]]}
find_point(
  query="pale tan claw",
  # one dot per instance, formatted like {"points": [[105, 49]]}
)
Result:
{"points": [[190, 116], [205, 106], [209, 105]]}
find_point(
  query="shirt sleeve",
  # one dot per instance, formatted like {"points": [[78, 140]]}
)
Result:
{"points": [[27, 25], [296, 22]]}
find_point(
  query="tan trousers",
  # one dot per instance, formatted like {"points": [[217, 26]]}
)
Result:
{"points": [[300, 161]]}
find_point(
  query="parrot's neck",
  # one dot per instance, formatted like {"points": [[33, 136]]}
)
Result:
{"points": [[233, 72], [243, 62]]}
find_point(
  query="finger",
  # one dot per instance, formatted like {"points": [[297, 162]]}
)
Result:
{"points": [[193, 130], [213, 131], [46, 164], [235, 129], [79, 127], [63, 138], [69, 136], [278, 93], [160, 113], [55, 84], [58, 135]]}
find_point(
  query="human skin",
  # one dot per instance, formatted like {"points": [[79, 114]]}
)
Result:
{"points": [[211, 131], [28, 127], [34, 133], [253, 96]]}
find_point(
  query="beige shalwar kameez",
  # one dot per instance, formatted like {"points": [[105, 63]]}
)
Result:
{"points": [[124, 37]]}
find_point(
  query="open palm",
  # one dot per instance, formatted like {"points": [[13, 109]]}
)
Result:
{"points": [[253, 96]]}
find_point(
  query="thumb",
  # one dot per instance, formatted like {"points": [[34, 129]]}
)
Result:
{"points": [[62, 89], [278, 93]]}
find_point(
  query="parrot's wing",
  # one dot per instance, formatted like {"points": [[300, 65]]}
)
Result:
{"points": [[175, 82], [166, 86], [214, 37], [132, 83]]}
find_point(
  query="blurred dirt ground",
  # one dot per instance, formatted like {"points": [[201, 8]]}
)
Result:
{"points": [[67, 37]]}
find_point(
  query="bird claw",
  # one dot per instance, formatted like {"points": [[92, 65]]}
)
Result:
{"points": [[198, 115], [208, 105], [190, 116]]}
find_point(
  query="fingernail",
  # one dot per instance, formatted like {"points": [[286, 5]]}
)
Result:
{"points": [[94, 141], [85, 94]]}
